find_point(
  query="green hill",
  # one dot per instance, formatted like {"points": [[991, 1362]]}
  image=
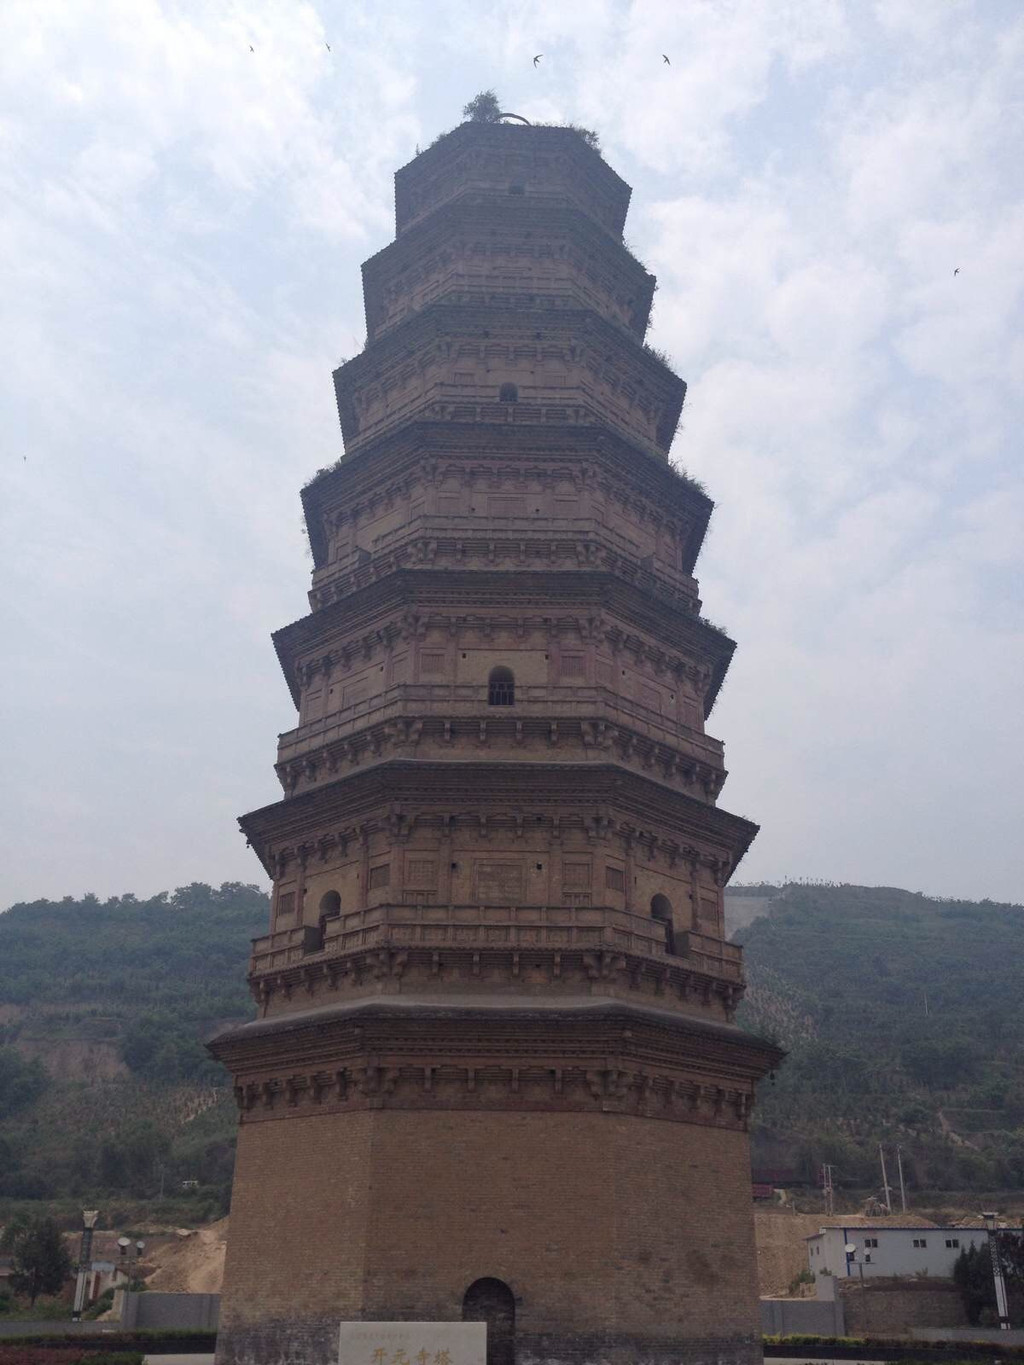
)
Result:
{"points": [[904, 1020], [105, 1087]]}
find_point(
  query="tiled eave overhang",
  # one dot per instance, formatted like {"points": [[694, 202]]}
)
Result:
{"points": [[496, 786], [499, 1024]]}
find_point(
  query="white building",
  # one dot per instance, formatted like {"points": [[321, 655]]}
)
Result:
{"points": [[889, 1250]]}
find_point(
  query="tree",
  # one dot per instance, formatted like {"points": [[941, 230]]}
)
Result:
{"points": [[483, 108], [972, 1275], [39, 1259], [20, 1081]]}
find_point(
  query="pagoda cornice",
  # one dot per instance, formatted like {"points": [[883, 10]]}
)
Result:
{"points": [[413, 373], [506, 795], [415, 726], [587, 595], [588, 1052], [435, 255], [467, 542], [422, 452]]}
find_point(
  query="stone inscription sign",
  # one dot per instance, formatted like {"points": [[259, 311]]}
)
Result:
{"points": [[412, 1343]]}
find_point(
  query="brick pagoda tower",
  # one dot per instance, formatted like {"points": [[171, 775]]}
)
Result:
{"points": [[494, 1071]]}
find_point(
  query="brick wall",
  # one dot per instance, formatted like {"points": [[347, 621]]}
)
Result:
{"points": [[884, 1308], [636, 1231]]}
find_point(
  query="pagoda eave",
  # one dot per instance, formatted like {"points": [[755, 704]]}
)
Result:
{"points": [[498, 788]]}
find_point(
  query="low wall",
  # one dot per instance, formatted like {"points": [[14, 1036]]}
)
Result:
{"points": [[792, 1317], [893, 1307], [151, 1310], [994, 1335]]}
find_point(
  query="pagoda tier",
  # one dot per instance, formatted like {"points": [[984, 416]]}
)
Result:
{"points": [[508, 255], [462, 363], [495, 1070]]}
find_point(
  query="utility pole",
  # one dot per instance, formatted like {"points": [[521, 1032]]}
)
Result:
{"points": [[903, 1188], [885, 1179], [992, 1224], [90, 1217], [828, 1189]]}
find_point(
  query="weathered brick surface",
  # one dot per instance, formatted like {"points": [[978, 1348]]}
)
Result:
{"points": [[635, 1230], [885, 1308]]}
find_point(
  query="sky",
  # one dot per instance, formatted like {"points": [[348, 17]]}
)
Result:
{"points": [[187, 191]]}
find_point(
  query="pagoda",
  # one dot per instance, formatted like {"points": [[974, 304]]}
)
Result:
{"points": [[495, 1072]]}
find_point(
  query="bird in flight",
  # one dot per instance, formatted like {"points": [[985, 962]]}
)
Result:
{"points": [[327, 46], [251, 48], [537, 58], [956, 271], [665, 60]]}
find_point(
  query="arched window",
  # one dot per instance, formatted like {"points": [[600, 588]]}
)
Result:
{"points": [[508, 393], [501, 687], [661, 910], [330, 908], [330, 904], [492, 1301]]}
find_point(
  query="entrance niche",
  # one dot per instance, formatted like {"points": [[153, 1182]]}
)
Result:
{"points": [[491, 1301], [661, 910]]}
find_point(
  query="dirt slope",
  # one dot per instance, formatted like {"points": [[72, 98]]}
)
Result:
{"points": [[192, 1265]]}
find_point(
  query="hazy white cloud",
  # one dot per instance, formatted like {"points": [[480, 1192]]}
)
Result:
{"points": [[180, 242]]}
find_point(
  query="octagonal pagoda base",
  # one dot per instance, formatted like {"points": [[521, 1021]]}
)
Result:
{"points": [[589, 1154]]}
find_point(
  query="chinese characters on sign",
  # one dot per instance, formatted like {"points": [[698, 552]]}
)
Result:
{"points": [[412, 1343], [382, 1356]]}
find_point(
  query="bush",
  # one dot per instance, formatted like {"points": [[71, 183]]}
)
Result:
{"points": [[483, 108], [102, 1304]]}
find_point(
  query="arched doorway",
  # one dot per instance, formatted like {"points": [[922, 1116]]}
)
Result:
{"points": [[661, 910], [491, 1301]]}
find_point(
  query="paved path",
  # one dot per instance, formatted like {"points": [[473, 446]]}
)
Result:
{"points": [[179, 1360], [20, 1327], [814, 1360]]}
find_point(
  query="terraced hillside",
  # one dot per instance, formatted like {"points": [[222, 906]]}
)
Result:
{"points": [[105, 1087], [904, 1018]]}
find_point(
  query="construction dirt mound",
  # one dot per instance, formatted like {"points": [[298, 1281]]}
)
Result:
{"points": [[194, 1264]]}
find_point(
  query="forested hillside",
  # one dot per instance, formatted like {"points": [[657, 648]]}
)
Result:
{"points": [[904, 1020], [105, 1085]]}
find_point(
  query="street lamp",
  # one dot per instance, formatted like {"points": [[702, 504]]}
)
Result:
{"points": [[130, 1252], [992, 1226], [90, 1217]]}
